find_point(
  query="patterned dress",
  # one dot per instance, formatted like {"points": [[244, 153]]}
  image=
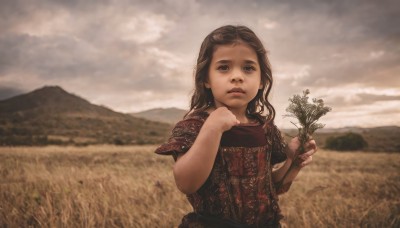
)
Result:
{"points": [[239, 192]]}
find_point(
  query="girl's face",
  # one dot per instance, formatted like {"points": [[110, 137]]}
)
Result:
{"points": [[234, 75]]}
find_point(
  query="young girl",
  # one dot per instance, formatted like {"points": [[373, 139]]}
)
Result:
{"points": [[225, 147]]}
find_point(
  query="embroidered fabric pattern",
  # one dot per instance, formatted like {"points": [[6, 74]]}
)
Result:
{"points": [[240, 187]]}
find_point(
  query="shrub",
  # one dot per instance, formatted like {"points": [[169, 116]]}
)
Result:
{"points": [[349, 141], [118, 142]]}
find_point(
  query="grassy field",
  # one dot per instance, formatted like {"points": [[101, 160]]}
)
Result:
{"points": [[110, 186]]}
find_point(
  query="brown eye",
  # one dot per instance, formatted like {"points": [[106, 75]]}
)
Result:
{"points": [[249, 68], [223, 68]]}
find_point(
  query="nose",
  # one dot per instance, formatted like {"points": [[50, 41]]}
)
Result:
{"points": [[237, 76]]}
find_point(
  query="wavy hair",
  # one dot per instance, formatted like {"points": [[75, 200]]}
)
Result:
{"points": [[202, 97]]}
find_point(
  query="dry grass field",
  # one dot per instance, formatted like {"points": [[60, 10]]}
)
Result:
{"points": [[110, 186]]}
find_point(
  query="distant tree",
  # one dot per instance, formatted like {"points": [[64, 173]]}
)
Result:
{"points": [[118, 141], [349, 141]]}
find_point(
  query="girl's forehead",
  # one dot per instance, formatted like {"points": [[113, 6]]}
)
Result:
{"points": [[236, 44], [237, 49]]}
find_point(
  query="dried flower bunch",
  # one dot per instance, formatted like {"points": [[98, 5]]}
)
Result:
{"points": [[307, 115]]}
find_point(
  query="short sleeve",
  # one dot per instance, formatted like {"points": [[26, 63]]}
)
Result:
{"points": [[277, 144], [182, 138]]}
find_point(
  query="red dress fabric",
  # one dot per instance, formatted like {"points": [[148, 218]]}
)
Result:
{"points": [[240, 188]]}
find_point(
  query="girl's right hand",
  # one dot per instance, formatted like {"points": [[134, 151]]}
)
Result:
{"points": [[223, 119]]}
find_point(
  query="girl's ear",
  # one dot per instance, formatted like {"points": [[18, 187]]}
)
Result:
{"points": [[207, 85], [261, 86]]}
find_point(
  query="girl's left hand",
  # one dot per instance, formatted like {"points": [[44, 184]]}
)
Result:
{"points": [[302, 159]]}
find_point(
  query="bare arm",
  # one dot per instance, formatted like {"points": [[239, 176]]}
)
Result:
{"points": [[192, 169]]}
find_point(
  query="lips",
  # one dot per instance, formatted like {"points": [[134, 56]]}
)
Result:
{"points": [[236, 90]]}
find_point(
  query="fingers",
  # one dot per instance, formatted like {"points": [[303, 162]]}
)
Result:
{"points": [[223, 118], [308, 153], [226, 109], [311, 144], [310, 147], [306, 162], [306, 158]]}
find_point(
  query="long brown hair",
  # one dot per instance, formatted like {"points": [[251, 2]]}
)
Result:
{"points": [[202, 97]]}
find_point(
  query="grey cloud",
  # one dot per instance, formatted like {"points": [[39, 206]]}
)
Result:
{"points": [[344, 21], [48, 56], [375, 98], [58, 58], [392, 111], [362, 99], [380, 72], [335, 38], [315, 32]]}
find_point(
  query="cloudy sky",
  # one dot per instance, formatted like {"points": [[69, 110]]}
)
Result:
{"points": [[136, 55]]}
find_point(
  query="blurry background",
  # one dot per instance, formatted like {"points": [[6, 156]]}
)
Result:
{"points": [[133, 56]]}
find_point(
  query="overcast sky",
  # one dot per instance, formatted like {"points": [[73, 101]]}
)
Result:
{"points": [[136, 55]]}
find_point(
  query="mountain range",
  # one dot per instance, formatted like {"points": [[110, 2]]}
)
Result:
{"points": [[51, 115], [166, 115]]}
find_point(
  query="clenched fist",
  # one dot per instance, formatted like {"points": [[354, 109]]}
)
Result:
{"points": [[222, 119]]}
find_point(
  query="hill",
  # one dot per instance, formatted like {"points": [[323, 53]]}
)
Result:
{"points": [[166, 115], [50, 115]]}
